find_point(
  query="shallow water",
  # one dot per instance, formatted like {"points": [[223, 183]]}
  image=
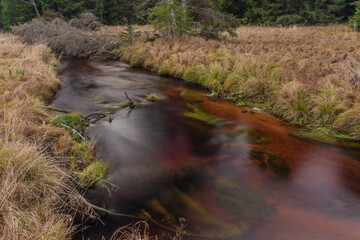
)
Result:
{"points": [[230, 174]]}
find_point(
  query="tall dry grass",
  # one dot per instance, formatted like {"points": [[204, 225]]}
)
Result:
{"points": [[39, 195], [306, 75]]}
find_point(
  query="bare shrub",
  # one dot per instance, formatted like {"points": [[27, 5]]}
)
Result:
{"points": [[73, 39], [86, 21]]}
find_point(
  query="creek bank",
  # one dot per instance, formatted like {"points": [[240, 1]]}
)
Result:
{"points": [[274, 69], [278, 74], [43, 168]]}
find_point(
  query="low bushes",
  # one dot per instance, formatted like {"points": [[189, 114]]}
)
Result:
{"points": [[75, 38]]}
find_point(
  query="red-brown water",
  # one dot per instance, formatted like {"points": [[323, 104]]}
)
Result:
{"points": [[234, 176]]}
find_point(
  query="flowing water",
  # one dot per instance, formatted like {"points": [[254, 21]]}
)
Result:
{"points": [[231, 174]]}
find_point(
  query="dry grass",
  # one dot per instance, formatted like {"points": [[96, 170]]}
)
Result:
{"points": [[39, 195], [146, 31], [306, 75], [140, 231]]}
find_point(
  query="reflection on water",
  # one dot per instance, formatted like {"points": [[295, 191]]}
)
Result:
{"points": [[231, 175]]}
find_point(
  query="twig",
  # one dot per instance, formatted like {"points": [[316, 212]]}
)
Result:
{"points": [[60, 56], [129, 98], [140, 218], [96, 114], [58, 110], [43, 121], [76, 132]]}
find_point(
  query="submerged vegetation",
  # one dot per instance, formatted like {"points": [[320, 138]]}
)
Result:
{"points": [[40, 164], [306, 75]]}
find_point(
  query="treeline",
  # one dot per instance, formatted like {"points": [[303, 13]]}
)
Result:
{"points": [[113, 12], [286, 12]]}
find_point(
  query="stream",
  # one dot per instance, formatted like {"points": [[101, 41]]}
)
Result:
{"points": [[230, 173]]}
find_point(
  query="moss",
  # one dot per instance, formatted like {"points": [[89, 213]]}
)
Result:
{"points": [[328, 136], [93, 174], [70, 121]]}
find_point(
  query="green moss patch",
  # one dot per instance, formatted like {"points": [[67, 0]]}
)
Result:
{"points": [[93, 174], [200, 115], [73, 123]]}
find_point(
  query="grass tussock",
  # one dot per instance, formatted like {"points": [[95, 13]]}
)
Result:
{"points": [[306, 75], [153, 97], [38, 161]]}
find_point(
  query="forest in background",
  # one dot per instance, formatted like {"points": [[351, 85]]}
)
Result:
{"points": [[115, 12]]}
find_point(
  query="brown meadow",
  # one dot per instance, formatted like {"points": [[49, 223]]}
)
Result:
{"points": [[306, 75], [40, 193]]}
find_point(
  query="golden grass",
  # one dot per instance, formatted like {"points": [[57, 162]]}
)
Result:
{"points": [[146, 31], [306, 75], [39, 194]]}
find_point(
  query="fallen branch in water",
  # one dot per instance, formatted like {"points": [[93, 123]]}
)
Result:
{"points": [[146, 217], [127, 96], [99, 116], [131, 104], [85, 117]]}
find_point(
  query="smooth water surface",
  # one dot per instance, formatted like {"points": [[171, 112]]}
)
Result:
{"points": [[231, 174]]}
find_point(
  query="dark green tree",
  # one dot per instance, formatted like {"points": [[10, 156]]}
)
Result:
{"points": [[355, 20], [14, 12], [68, 8], [171, 17], [1, 23]]}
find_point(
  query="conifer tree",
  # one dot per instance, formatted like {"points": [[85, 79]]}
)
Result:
{"points": [[1, 23], [355, 20], [15, 12], [171, 17]]}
